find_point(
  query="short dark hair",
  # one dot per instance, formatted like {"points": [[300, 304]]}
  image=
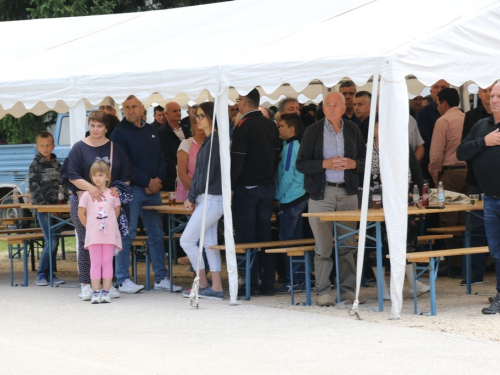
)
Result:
{"points": [[253, 98], [428, 98], [347, 83], [44, 134], [99, 116], [159, 108], [292, 120], [449, 96], [360, 94], [208, 108]]}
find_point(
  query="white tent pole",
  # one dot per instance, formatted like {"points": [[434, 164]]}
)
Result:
{"points": [[77, 122], [225, 160], [366, 184], [394, 151]]}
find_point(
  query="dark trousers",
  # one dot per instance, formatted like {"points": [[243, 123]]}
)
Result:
{"points": [[252, 210]]}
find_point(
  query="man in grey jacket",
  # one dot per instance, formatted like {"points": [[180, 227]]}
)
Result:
{"points": [[332, 158]]}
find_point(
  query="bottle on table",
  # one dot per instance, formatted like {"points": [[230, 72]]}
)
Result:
{"points": [[27, 196], [416, 195], [425, 193], [15, 196], [440, 194], [60, 195]]}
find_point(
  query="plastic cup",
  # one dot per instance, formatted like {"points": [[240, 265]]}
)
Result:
{"points": [[377, 201], [474, 198], [171, 198]]}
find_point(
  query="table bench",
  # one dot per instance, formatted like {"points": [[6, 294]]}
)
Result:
{"points": [[302, 252], [249, 250], [431, 260], [27, 241], [140, 246]]}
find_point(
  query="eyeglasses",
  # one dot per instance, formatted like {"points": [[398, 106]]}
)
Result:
{"points": [[199, 117]]}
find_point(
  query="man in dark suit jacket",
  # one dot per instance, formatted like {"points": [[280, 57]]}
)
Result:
{"points": [[171, 134]]}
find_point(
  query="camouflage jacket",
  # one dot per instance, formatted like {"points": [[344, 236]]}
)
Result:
{"points": [[44, 179]]}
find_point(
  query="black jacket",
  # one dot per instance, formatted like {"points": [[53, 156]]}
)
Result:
{"points": [[485, 159], [310, 158], [255, 151], [169, 145]]}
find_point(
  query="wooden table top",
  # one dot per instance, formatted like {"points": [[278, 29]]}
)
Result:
{"points": [[11, 205], [178, 209], [52, 208], [378, 215]]}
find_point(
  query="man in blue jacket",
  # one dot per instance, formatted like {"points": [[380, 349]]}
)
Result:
{"points": [[140, 142]]}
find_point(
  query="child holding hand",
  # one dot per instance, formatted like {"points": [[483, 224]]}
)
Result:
{"points": [[102, 232]]}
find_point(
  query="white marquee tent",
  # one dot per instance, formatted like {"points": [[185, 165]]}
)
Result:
{"points": [[244, 43]]}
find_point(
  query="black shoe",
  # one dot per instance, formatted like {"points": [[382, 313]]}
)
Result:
{"points": [[254, 291], [474, 281], [267, 290], [494, 307]]}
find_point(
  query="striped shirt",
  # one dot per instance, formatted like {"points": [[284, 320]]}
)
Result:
{"points": [[333, 145]]}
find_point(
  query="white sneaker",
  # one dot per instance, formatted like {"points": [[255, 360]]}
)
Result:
{"points": [[165, 285], [129, 287], [86, 293], [113, 293]]}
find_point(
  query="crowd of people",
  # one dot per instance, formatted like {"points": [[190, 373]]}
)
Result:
{"points": [[292, 157]]}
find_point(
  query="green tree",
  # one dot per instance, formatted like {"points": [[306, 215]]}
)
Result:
{"points": [[25, 129]]}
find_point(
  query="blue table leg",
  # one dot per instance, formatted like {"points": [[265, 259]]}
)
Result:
{"points": [[380, 275], [247, 275], [11, 257], [49, 241], [291, 279], [25, 262], [432, 278], [337, 276], [170, 251], [468, 276]]}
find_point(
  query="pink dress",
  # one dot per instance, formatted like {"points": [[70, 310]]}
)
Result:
{"points": [[102, 225], [181, 192]]}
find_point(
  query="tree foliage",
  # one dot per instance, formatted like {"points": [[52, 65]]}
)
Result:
{"points": [[24, 129]]}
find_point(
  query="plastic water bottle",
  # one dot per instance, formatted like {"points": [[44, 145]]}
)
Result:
{"points": [[15, 196], [440, 195], [27, 195], [60, 195], [416, 195]]}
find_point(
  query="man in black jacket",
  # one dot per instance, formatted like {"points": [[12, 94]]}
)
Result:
{"points": [[171, 134], [254, 159], [332, 158], [482, 148]]}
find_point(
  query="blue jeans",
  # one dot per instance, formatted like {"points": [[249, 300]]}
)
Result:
{"points": [[44, 266], [492, 226], [291, 229], [252, 210], [153, 225], [478, 238]]}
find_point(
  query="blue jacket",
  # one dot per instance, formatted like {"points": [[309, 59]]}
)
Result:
{"points": [[289, 181], [143, 148]]}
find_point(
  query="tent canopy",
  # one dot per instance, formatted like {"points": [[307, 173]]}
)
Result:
{"points": [[245, 43], [248, 43]]}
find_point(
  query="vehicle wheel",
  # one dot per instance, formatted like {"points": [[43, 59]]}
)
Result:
{"points": [[12, 213]]}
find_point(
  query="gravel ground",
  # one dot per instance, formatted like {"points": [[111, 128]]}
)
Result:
{"points": [[50, 329]]}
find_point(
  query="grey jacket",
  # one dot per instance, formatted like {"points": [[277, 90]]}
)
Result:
{"points": [[201, 170]]}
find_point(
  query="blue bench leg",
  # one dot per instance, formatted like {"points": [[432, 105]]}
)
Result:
{"points": [[11, 257], [308, 279], [25, 262], [247, 275]]}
